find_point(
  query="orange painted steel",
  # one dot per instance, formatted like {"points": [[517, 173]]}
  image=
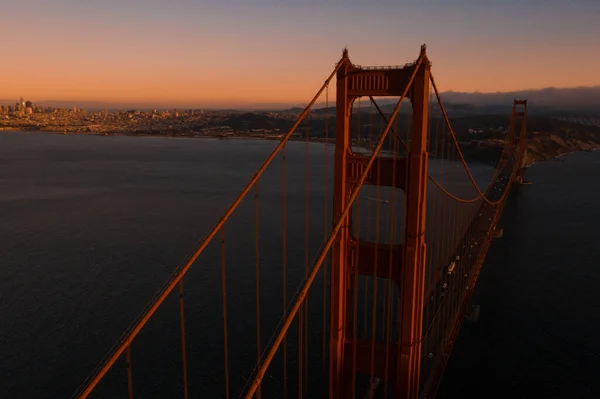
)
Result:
{"points": [[319, 261], [303, 321], [325, 232], [224, 295], [183, 347], [355, 261], [388, 316], [413, 280], [257, 283], [433, 180], [457, 146], [367, 235], [341, 275], [143, 319], [455, 222], [338, 254], [414, 266], [355, 300], [284, 253], [375, 279], [454, 328], [376, 262]]}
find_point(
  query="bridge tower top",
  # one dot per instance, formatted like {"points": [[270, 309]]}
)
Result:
{"points": [[522, 143]]}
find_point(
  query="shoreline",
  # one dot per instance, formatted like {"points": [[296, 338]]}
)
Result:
{"points": [[558, 156], [530, 161], [163, 135]]}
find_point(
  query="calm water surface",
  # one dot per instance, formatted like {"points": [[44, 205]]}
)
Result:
{"points": [[538, 334], [92, 226]]}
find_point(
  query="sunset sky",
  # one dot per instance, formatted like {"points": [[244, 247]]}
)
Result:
{"points": [[228, 53]]}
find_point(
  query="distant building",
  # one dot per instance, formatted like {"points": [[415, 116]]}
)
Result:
{"points": [[29, 110], [28, 104]]}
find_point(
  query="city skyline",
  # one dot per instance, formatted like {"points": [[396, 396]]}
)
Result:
{"points": [[584, 98], [225, 54]]}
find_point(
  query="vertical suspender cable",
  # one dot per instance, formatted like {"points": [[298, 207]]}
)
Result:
{"points": [[183, 347], [257, 268], [260, 371], [225, 333], [325, 233], [386, 241], [284, 250], [303, 318], [401, 293], [388, 315], [355, 298], [94, 378], [375, 260], [367, 232]]}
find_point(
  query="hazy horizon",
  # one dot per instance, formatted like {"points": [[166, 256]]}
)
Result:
{"points": [[232, 54], [548, 96]]}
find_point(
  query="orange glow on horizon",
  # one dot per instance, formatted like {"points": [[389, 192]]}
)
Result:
{"points": [[242, 56], [98, 84], [222, 83]]}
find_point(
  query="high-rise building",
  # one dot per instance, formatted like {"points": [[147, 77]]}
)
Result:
{"points": [[28, 104]]}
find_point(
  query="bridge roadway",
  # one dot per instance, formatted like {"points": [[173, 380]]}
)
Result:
{"points": [[456, 282], [456, 232]]}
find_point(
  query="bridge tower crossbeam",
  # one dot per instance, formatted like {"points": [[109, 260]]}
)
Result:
{"points": [[398, 362]]}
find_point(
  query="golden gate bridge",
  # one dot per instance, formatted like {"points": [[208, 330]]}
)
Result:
{"points": [[396, 282]]}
